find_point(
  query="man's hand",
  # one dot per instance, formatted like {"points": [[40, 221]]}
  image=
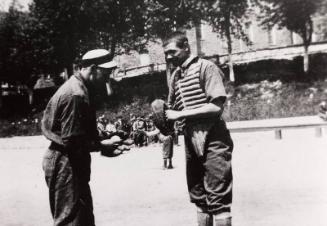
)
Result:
{"points": [[112, 142], [152, 133], [173, 115], [115, 146]]}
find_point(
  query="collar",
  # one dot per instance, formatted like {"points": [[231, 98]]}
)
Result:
{"points": [[79, 77], [188, 61], [83, 85]]}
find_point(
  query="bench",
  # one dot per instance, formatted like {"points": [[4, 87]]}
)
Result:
{"points": [[279, 124]]}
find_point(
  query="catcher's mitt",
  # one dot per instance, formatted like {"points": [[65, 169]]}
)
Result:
{"points": [[165, 126]]}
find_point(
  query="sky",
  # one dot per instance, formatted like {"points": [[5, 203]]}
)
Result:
{"points": [[4, 4]]}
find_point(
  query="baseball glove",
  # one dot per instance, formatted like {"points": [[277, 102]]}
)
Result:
{"points": [[165, 126], [122, 144]]}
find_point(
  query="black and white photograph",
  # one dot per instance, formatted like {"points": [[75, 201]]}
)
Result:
{"points": [[163, 112]]}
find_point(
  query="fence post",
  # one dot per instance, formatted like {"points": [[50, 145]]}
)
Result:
{"points": [[151, 67], [278, 134], [318, 132], [229, 109]]}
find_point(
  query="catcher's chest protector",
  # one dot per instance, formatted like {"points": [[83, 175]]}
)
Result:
{"points": [[188, 93]]}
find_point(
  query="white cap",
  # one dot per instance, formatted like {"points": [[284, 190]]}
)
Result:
{"points": [[99, 57]]}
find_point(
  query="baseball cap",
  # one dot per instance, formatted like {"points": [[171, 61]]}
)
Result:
{"points": [[99, 57]]}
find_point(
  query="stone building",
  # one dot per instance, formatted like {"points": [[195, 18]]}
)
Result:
{"points": [[259, 37], [205, 42]]}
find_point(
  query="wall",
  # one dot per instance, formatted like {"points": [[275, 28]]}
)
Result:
{"points": [[212, 45]]}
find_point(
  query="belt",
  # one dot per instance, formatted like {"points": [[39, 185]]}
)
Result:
{"points": [[57, 147]]}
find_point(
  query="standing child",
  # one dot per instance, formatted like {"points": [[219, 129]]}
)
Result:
{"points": [[167, 148], [167, 151]]}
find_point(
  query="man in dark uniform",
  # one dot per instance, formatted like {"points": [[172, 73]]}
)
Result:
{"points": [[196, 98], [69, 122]]}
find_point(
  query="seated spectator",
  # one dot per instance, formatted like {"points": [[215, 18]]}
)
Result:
{"points": [[139, 128], [323, 110], [101, 126], [119, 123], [110, 127], [133, 127], [151, 127], [141, 124]]}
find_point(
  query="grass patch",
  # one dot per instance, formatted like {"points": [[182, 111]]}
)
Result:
{"points": [[274, 100]]}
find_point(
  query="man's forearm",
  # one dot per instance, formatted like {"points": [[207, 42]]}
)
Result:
{"points": [[208, 110]]}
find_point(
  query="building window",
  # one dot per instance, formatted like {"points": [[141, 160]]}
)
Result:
{"points": [[241, 45], [314, 37], [250, 33], [270, 38], [203, 30], [273, 36]]}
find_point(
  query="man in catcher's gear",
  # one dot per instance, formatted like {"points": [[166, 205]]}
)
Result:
{"points": [[69, 122], [196, 97]]}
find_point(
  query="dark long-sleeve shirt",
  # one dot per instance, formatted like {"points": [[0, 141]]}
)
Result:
{"points": [[69, 118]]}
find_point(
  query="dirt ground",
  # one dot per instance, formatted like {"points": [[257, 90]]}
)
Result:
{"points": [[276, 182]]}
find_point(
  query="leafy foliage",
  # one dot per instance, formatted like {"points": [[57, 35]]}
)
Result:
{"points": [[54, 34], [165, 16], [15, 55], [295, 15], [72, 27], [227, 17]]}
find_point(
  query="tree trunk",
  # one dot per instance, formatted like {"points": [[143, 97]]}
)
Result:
{"points": [[30, 96], [169, 71], [306, 59], [230, 50], [198, 38], [0, 95], [113, 47], [307, 38], [70, 69], [231, 68]]}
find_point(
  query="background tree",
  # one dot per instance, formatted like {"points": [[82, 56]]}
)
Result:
{"points": [[117, 25], [61, 26], [295, 15], [228, 18], [70, 27], [166, 16], [16, 63]]}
